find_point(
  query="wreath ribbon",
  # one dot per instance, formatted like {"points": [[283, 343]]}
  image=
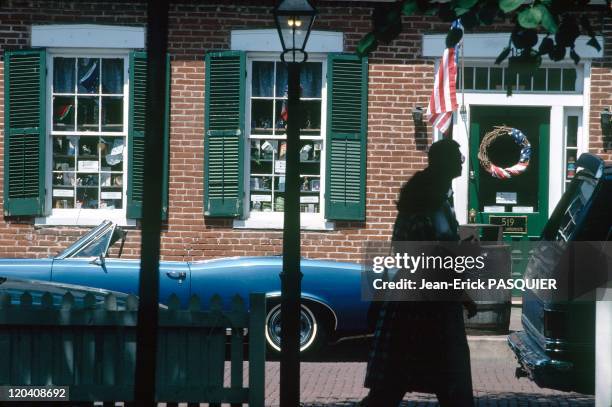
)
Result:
{"points": [[508, 172]]}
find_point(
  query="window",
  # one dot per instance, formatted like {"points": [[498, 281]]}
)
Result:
{"points": [[494, 79], [572, 128], [74, 140], [245, 137], [267, 145], [88, 130]]}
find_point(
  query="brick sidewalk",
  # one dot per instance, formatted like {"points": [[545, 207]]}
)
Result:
{"points": [[340, 384]]}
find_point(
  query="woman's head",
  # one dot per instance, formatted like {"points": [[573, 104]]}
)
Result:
{"points": [[445, 158]]}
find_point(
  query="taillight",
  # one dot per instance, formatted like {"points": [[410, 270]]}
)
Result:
{"points": [[554, 324]]}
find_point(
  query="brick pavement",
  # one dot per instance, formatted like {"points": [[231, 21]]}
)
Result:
{"points": [[340, 383]]}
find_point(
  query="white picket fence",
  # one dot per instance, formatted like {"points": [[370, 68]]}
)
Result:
{"points": [[92, 349]]}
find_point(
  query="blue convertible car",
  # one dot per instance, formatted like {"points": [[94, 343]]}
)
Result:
{"points": [[331, 298]]}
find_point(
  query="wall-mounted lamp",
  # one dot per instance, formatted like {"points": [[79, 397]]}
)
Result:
{"points": [[606, 123], [417, 115], [463, 113]]}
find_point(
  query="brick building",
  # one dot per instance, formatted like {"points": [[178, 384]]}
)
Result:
{"points": [[77, 124]]}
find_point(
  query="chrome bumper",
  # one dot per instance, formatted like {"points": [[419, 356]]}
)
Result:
{"points": [[541, 368]]}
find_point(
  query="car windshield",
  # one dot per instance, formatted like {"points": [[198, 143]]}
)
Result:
{"points": [[570, 218], [94, 243]]}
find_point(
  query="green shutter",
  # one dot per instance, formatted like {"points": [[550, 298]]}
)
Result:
{"points": [[136, 136], [347, 104], [224, 137], [25, 132]]}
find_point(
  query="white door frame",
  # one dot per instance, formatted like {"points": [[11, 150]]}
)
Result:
{"points": [[558, 103]]}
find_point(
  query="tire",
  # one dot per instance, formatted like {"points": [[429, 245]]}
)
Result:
{"points": [[313, 331]]}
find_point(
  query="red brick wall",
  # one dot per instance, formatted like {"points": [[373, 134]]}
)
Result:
{"points": [[601, 94], [399, 80]]}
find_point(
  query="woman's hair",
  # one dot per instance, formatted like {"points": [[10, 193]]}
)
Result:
{"points": [[441, 151], [427, 190]]}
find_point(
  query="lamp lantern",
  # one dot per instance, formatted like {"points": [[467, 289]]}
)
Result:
{"points": [[417, 115], [294, 20]]}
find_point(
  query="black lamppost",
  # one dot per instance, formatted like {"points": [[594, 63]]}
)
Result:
{"points": [[294, 20]]}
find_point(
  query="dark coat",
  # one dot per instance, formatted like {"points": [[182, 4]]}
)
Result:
{"points": [[421, 346]]}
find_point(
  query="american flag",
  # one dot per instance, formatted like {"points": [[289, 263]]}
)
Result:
{"points": [[443, 100]]}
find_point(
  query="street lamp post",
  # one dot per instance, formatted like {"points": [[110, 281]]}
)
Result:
{"points": [[294, 20]]}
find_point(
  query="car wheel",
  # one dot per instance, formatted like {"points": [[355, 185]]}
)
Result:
{"points": [[312, 332]]}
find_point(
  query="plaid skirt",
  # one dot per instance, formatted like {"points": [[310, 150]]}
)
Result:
{"points": [[421, 347]]}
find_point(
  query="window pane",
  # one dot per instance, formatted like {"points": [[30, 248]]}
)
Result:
{"points": [[112, 113], [63, 75], [310, 79], [281, 80], [263, 78], [63, 198], [261, 116], [572, 131], [496, 78], [112, 197], [87, 113], [281, 116], [112, 76], [87, 197], [310, 119], [539, 80], [88, 75], [64, 153], [469, 78], [481, 78], [88, 149], [554, 79], [524, 82], [569, 80], [570, 160], [111, 152], [63, 113]]}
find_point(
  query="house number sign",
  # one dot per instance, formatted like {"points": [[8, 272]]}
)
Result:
{"points": [[511, 224]]}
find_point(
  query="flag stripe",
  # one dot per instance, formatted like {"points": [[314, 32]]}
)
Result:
{"points": [[443, 100]]}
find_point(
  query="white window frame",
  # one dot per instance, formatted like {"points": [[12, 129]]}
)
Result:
{"points": [[80, 216], [275, 220]]}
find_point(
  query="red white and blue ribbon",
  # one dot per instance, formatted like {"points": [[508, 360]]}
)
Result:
{"points": [[521, 165]]}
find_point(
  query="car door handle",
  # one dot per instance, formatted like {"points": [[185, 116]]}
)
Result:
{"points": [[176, 275]]}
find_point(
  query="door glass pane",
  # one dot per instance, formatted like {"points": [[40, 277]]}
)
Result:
{"points": [[469, 78], [482, 78], [539, 79], [572, 131], [496, 78], [569, 80], [554, 79], [524, 82]]}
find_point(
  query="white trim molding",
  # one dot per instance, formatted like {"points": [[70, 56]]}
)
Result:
{"points": [[268, 40], [491, 44], [88, 36], [275, 220]]}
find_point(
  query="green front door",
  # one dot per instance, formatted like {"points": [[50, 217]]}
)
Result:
{"points": [[519, 203]]}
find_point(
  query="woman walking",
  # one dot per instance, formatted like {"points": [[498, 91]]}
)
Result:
{"points": [[421, 346]]}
